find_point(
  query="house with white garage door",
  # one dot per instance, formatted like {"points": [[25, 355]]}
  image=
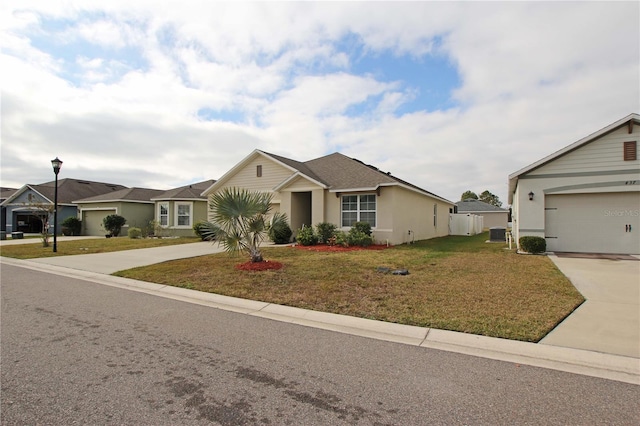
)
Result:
{"points": [[585, 197]]}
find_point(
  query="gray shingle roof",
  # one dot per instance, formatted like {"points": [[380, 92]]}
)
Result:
{"points": [[187, 192], [126, 194], [70, 190], [339, 172], [471, 205], [6, 192]]}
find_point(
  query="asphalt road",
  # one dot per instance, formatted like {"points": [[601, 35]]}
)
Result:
{"points": [[75, 352]]}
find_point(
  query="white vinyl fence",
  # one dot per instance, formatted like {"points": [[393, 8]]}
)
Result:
{"points": [[465, 224]]}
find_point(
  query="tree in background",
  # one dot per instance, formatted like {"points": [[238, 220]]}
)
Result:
{"points": [[490, 198], [469, 195], [485, 196]]}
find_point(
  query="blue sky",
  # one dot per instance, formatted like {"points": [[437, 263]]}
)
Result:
{"points": [[449, 96]]}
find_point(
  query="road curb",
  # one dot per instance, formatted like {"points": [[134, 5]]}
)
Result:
{"points": [[578, 361]]}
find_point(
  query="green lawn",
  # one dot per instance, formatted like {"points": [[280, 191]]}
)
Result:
{"points": [[87, 246], [455, 283]]}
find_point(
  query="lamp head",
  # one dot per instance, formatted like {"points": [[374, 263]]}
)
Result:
{"points": [[56, 163]]}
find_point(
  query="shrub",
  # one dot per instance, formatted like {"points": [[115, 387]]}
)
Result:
{"points": [[357, 237], [134, 232], [114, 223], [340, 239], [363, 227], [533, 244], [73, 224], [198, 228], [325, 231], [280, 232], [306, 236]]}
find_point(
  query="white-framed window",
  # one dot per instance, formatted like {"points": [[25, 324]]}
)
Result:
{"points": [[358, 208], [163, 214], [183, 214]]}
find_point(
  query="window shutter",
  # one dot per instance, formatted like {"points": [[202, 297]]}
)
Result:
{"points": [[630, 151]]}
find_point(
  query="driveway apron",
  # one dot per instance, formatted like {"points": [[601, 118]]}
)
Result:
{"points": [[609, 320]]}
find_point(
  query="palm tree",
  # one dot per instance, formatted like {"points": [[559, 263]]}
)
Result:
{"points": [[240, 220]]}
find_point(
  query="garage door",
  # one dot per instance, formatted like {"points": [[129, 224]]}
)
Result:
{"points": [[593, 223], [92, 221]]}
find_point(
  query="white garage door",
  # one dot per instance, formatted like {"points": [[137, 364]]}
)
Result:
{"points": [[92, 221], [593, 223]]}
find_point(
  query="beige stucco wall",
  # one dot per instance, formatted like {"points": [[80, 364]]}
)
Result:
{"points": [[398, 210], [403, 210]]}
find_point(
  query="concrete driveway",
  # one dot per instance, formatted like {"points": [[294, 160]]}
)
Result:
{"points": [[609, 320]]}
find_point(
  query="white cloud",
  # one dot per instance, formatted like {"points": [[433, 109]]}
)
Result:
{"points": [[534, 77]]}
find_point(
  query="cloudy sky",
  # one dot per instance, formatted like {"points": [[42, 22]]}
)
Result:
{"points": [[449, 96]]}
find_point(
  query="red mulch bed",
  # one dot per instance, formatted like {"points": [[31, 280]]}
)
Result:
{"points": [[266, 265], [327, 248]]}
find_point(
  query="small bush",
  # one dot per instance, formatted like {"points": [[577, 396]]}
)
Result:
{"points": [[341, 239], [356, 237], [533, 244], [325, 231], [114, 223], [280, 232], [73, 224], [198, 229], [306, 236], [134, 233], [363, 227]]}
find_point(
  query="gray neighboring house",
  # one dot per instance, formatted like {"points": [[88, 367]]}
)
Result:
{"points": [[134, 204], [27, 207], [493, 216], [4, 194], [176, 210]]}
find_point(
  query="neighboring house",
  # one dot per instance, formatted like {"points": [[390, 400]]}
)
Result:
{"points": [[134, 204], [342, 190], [4, 194], [176, 210], [30, 205], [585, 197], [493, 216]]}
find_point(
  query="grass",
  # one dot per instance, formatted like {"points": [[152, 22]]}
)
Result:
{"points": [[455, 283], [88, 246]]}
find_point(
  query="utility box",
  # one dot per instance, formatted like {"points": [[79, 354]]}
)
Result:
{"points": [[498, 233]]}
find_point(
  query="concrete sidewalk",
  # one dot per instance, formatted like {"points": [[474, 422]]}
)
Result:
{"points": [[609, 320], [559, 351]]}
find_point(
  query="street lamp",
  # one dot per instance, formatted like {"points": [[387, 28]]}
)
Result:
{"points": [[57, 163]]}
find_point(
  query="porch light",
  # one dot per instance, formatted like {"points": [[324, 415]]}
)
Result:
{"points": [[531, 196], [56, 163]]}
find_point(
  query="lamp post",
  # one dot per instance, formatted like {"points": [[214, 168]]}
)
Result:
{"points": [[56, 163]]}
